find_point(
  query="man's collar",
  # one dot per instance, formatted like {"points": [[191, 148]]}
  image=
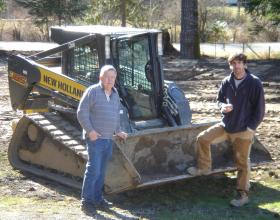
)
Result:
{"points": [[101, 86], [232, 74]]}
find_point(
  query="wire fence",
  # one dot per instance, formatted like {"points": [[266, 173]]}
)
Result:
{"points": [[252, 50]]}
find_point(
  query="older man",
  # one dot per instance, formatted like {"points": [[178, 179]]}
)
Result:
{"points": [[241, 100], [99, 115]]}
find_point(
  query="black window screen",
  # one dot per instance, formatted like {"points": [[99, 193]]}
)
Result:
{"points": [[133, 57], [85, 64]]}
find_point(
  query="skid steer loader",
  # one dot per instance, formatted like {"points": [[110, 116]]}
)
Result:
{"points": [[47, 86]]}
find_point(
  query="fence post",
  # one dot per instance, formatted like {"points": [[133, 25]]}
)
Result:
{"points": [[175, 34], [269, 52], [171, 35], [215, 49]]}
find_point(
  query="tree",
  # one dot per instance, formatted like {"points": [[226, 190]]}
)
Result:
{"points": [[2, 23], [189, 38], [110, 12], [269, 9], [209, 12], [67, 10], [2, 5], [52, 12], [123, 12]]}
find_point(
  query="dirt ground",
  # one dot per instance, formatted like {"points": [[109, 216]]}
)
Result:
{"points": [[23, 196]]}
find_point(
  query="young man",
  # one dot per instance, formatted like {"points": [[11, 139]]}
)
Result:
{"points": [[242, 104], [99, 115]]}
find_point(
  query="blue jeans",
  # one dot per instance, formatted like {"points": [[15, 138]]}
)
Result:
{"points": [[99, 153]]}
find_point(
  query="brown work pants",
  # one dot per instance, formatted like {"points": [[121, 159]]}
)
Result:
{"points": [[241, 142]]}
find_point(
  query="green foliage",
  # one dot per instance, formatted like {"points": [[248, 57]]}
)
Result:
{"points": [[2, 5], [53, 12], [46, 10], [210, 18], [41, 10], [217, 31], [270, 9], [67, 10], [108, 12]]}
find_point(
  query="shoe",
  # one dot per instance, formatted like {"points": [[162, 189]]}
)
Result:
{"points": [[88, 208], [197, 172], [241, 199], [103, 204]]}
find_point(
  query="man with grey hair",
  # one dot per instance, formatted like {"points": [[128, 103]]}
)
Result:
{"points": [[241, 101], [99, 115]]}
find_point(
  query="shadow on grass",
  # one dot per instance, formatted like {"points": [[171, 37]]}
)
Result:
{"points": [[197, 198]]}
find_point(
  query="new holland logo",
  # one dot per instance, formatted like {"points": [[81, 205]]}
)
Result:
{"points": [[62, 84], [69, 89]]}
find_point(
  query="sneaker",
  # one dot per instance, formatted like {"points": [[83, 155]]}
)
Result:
{"points": [[88, 208], [197, 172], [241, 199]]}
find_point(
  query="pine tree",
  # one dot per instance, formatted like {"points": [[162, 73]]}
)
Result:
{"points": [[2, 5], [53, 12], [269, 9]]}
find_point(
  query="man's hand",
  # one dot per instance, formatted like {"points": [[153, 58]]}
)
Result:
{"points": [[122, 135], [226, 108], [93, 135]]}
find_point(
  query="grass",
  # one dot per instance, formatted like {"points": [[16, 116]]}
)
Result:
{"points": [[208, 198], [47, 206], [266, 193], [8, 201], [6, 170], [197, 198]]}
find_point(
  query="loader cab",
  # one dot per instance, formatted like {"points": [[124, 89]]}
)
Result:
{"points": [[139, 75], [135, 55]]}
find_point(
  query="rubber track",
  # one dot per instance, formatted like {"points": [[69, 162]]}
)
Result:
{"points": [[60, 130]]}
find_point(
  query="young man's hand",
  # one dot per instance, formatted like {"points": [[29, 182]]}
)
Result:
{"points": [[226, 108], [122, 135], [93, 135]]}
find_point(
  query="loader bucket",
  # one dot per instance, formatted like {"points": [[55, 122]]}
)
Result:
{"points": [[146, 158], [158, 156]]}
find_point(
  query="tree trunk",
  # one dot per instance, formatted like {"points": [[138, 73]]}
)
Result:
{"points": [[168, 48], [238, 9], [189, 38], [123, 12]]}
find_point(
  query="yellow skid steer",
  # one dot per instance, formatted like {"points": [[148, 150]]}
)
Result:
{"points": [[154, 112]]}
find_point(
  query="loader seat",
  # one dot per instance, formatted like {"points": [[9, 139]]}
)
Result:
{"points": [[147, 124]]}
